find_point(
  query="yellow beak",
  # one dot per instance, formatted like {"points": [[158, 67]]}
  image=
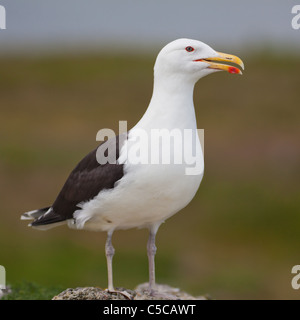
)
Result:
{"points": [[224, 57]]}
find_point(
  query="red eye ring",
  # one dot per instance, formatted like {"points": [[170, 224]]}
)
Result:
{"points": [[189, 49]]}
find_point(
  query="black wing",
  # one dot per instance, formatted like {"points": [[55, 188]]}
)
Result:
{"points": [[85, 182]]}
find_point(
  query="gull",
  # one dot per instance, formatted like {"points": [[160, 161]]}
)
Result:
{"points": [[125, 193]]}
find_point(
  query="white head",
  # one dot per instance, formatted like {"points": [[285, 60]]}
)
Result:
{"points": [[192, 60]]}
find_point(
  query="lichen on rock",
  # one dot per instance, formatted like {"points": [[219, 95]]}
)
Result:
{"points": [[162, 292]]}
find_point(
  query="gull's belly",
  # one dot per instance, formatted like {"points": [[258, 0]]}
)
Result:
{"points": [[147, 194]]}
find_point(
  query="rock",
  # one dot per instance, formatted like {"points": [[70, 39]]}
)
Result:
{"points": [[94, 293], [163, 292]]}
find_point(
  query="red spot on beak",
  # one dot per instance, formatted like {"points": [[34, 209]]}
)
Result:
{"points": [[233, 70]]}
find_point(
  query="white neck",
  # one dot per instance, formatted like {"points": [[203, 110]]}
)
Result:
{"points": [[171, 105]]}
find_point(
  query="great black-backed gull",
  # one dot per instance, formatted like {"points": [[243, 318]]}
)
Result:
{"points": [[126, 193]]}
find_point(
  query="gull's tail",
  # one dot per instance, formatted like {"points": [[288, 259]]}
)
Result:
{"points": [[34, 214], [43, 219]]}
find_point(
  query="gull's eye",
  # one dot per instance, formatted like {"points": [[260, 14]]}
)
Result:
{"points": [[189, 49]]}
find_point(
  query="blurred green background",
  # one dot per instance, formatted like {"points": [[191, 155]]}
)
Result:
{"points": [[239, 238]]}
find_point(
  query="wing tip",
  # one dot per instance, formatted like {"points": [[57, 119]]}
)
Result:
{"points": [[43, 219]]}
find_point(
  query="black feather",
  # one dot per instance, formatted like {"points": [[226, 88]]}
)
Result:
{"points": [[84, 183]]}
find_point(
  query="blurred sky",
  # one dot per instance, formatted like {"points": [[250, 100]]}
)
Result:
{"points": [[137, 24]]}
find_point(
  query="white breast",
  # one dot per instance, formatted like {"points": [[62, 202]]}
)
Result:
{"points": [[147, 193]]}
